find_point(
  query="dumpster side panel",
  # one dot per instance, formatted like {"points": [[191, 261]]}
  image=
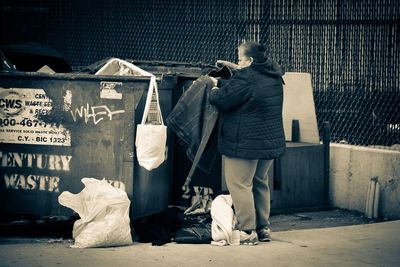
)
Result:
{"points": [[36, 164]]}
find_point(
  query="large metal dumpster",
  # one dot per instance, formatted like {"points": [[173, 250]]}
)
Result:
{"points": [[57, 129]]}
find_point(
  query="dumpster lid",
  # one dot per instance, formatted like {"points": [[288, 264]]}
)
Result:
{"points": [[158, 68], [116, 66]]}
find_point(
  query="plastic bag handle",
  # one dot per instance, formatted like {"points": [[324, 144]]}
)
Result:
{"points": [[152, 88]]}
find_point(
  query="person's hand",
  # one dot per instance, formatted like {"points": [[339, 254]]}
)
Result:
{"points": [[214, 81]]}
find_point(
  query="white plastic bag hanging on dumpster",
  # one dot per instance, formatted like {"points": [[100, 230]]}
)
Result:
{"points": [[104, 215], [151, 133]]}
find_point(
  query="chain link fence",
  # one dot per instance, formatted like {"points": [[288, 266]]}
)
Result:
{"points": [[351, 48]]}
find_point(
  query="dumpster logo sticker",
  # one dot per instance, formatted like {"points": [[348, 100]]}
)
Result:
{"points": [[10, 103], [20, 109]]}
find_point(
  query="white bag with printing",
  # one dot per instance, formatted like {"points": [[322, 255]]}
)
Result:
{"points": [[104, 215], [151, 133]]}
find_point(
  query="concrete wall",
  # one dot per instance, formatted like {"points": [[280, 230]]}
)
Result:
{"points": [[352, 167]]}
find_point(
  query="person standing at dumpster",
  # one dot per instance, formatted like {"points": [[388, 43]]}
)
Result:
{"points": [[250, 135]]}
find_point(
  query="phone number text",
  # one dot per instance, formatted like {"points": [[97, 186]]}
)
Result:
{"points": [[24, 122]]}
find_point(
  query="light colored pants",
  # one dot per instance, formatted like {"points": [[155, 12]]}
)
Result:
{"points": [[247, 182]]}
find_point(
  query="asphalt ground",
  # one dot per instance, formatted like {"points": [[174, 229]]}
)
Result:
{"points": [[372, 244], [321, 238]]}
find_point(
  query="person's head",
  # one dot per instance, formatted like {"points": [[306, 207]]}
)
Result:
{"points": [[250, 52]]}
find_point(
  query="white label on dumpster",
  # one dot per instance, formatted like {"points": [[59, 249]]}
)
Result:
{"points": [[107, 90], [20, 123]]}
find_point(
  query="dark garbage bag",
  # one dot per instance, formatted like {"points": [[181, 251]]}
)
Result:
{"points": [[194, 235], [196, 229], [160, 228], [172, 225]]}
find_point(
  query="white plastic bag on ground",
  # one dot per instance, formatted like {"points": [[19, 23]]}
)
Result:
{"points": [[223, 222], [104, 215]]}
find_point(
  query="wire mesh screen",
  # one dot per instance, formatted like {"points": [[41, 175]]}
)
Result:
{"points": [[351, 48]]}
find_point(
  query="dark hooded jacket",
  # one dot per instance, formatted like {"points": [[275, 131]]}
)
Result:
{"points": [[250, 105]]}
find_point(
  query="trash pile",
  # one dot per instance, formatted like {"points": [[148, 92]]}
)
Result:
{"points": [[206, 221]]}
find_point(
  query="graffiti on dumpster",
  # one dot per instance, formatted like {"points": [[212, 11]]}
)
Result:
{"points": [[20, 109], [67, 100], [35, 181], [95, 113]]}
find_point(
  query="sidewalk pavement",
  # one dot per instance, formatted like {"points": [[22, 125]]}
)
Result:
{"points": [[375, 244]]}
